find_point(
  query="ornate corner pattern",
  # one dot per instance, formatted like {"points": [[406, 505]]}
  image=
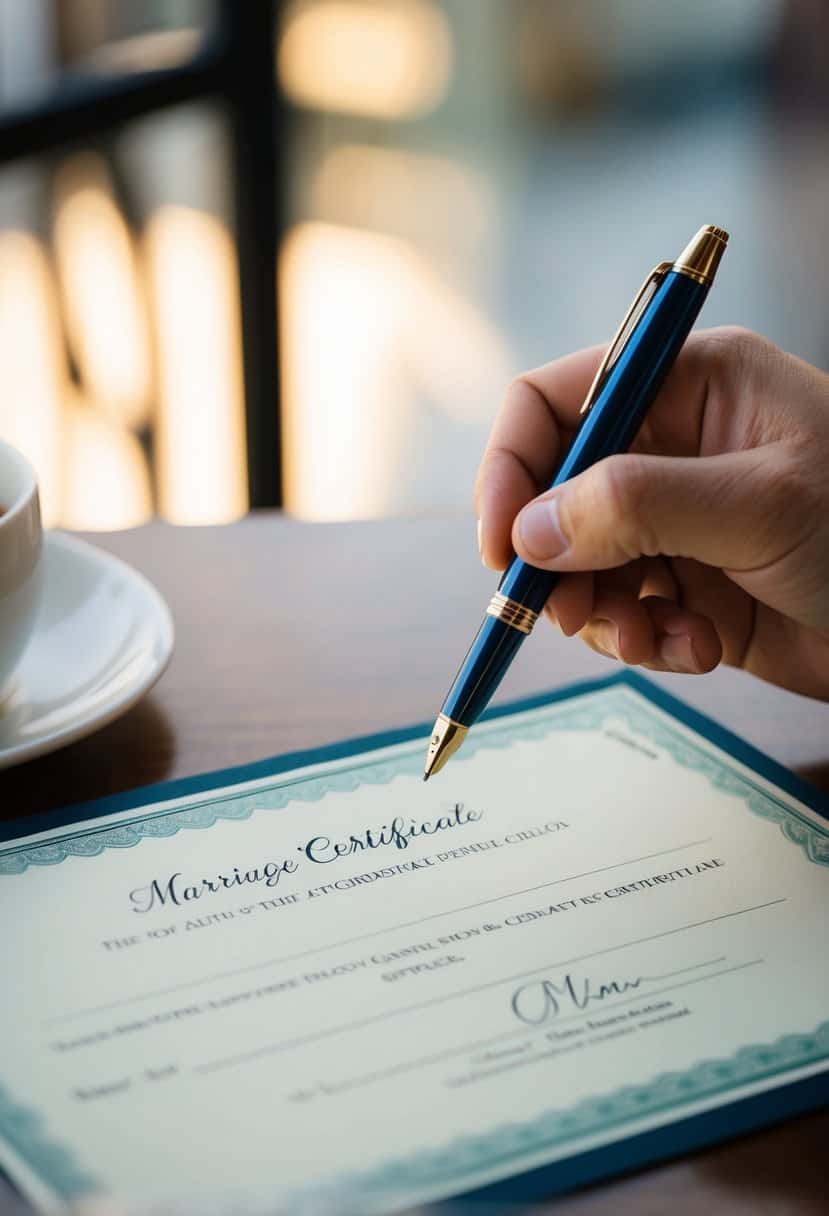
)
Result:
{"points": [[633, 710], [725, 776]]}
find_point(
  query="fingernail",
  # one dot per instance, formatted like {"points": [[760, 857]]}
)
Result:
{"points": [[677, 652], [609, 645], [550, 614], [539, 529], [480, 542]]}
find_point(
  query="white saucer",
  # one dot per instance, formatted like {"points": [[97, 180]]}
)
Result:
{"points": [[103, 637]]}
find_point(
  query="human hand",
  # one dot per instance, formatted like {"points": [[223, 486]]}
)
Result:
{"points": [[709, 541]]}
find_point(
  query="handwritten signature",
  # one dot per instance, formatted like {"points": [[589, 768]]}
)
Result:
{"points": [[542, 1000]]}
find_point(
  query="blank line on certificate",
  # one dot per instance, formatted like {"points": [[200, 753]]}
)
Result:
{"points": [[361, 937], [361, 1023]]}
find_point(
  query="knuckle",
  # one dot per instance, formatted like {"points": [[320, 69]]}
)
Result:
{"points": [[520, 384], [481, 479], [492, 471], [734, 336], [732, 340], [735, 354], [795, 498], [624, 487], [520, 390], [571, 515], [783, 482], [484, 470]]}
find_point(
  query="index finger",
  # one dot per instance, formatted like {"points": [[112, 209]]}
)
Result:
{"points": [[540, 408]]}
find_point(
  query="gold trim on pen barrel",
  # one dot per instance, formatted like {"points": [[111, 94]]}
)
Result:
{"points": [[701, 256], [447, 735], [512, 613], [698, 261]]}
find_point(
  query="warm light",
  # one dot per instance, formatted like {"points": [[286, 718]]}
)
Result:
{"points": [[107, 481], [387, 60], [151, 51], [341, 310], [32, 363], [429, 199], [461, 362], [102, 301], [200, 433], [367, 329]]}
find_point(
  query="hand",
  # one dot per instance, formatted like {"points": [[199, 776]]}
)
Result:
{"points": [[709, 541]]}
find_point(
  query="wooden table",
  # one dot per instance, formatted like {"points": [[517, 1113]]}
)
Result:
{"points": [[292, 635]]}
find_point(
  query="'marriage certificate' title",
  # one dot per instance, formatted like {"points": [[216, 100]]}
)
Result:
{"points": [[320, 850]]}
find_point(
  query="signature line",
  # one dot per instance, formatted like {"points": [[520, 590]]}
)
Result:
{"points": [[465, 1049], [359, 1023]]}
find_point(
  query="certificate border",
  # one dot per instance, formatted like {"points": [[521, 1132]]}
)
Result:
{"points": [[50, 1162], [19, 1125], [510, 1142], [167, 822], [630, 1154]]}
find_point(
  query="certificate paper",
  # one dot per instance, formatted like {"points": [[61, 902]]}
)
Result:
{"points": [[318, 985]]}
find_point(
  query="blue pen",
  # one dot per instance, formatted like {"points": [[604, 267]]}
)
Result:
{"points": [[631, 373]]}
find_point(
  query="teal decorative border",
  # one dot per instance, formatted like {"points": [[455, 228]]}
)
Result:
{"points": [[647, 712], [618, 700], [204, 813], [811, 837], [23, 1130], [510, 1145]]}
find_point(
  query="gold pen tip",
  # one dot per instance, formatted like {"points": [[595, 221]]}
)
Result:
{"points": [[446, 738]]}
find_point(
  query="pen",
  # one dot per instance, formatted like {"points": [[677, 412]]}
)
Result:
{"points": [[626, 383]]}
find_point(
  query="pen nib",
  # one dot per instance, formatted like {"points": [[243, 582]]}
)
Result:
{"points": [[447, 736]]}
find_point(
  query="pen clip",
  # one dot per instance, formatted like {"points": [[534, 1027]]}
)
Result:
{"points": [[624, 331]]}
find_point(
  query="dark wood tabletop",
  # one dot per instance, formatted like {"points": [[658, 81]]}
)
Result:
{"points": [[293, 635]]}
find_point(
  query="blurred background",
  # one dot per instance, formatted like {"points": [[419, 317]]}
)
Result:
{"points": [[260, 254]]}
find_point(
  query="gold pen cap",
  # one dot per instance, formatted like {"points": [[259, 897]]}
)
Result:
{"points": [[701, 256]]}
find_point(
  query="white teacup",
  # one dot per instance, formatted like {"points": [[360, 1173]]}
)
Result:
{"points": [[21, 568]]}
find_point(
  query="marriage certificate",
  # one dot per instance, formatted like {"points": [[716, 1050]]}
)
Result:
{"points": [[319, 985]]}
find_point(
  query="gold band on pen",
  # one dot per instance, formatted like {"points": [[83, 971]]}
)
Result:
{"points": [[699, 261], [692, 274], [701, 256], [512, 613]]}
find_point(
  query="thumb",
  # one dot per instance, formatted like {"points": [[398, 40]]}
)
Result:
{"points": [[734, 511]]}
